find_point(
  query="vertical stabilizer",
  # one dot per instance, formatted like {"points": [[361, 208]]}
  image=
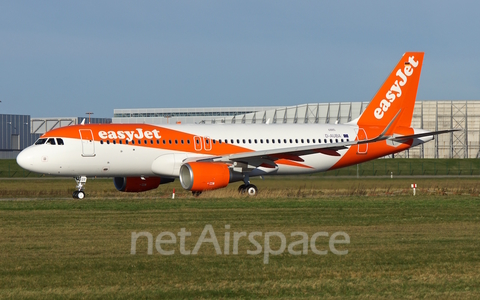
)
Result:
{"points": [[398, 93]]}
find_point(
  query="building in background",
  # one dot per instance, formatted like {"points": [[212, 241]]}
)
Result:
{"points": [[429, 115], [19, 131], [15, 135]]}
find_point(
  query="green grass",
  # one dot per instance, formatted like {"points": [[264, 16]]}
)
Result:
{"points": [[411, 166], [401, 246], [378, 167]]}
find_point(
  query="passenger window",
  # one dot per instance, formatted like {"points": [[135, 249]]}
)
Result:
{"points": [[108, 142], [291, 141], [176, 142], [243, 141], [285, 141], [336, 140], [255, 141], [302, 141], [249, 141], [126, 142], [325, 141], [273, 141], [279, 141], [296, 141], [267, 141], [261, 141], [60, 142], [331, 141], [170, 142], [101, 142], [181, 142], [238, 141]]}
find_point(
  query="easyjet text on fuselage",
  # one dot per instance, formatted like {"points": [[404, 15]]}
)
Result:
{"points": [[139, 133]]}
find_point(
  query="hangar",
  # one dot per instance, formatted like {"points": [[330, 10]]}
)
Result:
{"points": [[19, 131], [429, 115]]}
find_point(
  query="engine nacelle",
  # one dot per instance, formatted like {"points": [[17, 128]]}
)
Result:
{"points": [[139, 184], [201, 176]]}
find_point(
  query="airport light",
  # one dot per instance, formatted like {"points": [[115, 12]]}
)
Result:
{"points": [[89, 114]]}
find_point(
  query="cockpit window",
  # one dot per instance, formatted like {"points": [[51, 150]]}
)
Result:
{"points": [[40, 141], [51, 141], [59, 141]]}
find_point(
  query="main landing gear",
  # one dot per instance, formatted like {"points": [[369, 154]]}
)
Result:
{"points": [[80, 193], [247, 187]]}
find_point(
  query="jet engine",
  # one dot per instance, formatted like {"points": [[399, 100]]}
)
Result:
{"points": [[139, 184], [201, 176]]}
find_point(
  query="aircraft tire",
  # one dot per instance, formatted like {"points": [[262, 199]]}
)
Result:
{"points": [[251, 190], [242, 189]]}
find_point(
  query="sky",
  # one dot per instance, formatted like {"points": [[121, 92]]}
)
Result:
{"points": [[66, 58]]}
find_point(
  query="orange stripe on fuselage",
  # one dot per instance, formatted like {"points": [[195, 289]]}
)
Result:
{"points": [[375, 150], [145, 132], [291, 163], [108, 132]]}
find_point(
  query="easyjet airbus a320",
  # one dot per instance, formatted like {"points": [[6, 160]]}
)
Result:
{"points": [[140, 157]]}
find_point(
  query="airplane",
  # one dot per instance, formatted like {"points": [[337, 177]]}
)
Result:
{"points": [[203, 157]]}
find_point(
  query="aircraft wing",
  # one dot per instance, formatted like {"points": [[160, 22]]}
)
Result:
{"points": [[268, 157]]}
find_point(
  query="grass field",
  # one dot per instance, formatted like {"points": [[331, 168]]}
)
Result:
{"points": [[401, 246], [378, 167]]}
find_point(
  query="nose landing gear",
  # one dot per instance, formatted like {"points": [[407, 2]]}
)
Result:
{"points": [[80, 193]]}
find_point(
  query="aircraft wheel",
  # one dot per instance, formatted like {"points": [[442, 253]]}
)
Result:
{"points": [[242, 189], [78, 195], [252, 190]]}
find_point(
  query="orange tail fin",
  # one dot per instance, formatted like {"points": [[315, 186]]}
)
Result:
{"points": [[398, 93]]}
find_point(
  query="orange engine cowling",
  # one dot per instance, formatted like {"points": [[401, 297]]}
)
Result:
{"points": [[201, 176], [138, 184]]}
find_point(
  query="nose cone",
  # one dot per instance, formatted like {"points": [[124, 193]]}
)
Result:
{"points": [[25, 159]]}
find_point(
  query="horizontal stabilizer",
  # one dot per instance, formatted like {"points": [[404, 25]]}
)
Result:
{"points": [[419, 135]]}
